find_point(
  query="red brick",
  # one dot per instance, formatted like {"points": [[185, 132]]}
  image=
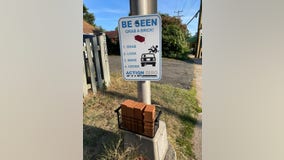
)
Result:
{"points": [[139, 38], [149, 113], [134, 126], [140, 126], [125, 105], [127, 122], [138, 110], [149, 133], [138, 117], [148, 128], [140, 129], [149, 124], [127, 108], [126, 125]]}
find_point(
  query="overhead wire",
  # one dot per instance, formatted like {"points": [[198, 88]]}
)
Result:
{"points": [[188, 11], [195, 15]]}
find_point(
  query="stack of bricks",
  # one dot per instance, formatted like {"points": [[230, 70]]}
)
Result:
{"points": [[138, 117], [127, 114], [149, 118]]}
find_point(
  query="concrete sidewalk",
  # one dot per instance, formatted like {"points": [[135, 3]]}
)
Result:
{"points": [[197, 136]]}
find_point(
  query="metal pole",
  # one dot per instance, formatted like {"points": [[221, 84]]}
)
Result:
{"points": [[143, 7]]}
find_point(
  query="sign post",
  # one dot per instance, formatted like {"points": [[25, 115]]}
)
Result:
{"points": [[140, 46], [141, 57]]}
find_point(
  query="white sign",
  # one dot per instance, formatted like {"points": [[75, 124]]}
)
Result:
{"points": [[141, 47]]}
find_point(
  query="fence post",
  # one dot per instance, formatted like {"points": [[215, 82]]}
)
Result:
{"points": [[97, 62], [104, 55], [91, 66], [85, 85]]}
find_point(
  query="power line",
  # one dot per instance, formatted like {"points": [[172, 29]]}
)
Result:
{"points": [[192, 5], [195, 16]]}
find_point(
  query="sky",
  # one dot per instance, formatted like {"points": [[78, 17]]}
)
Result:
{"points": [[108, 12]]}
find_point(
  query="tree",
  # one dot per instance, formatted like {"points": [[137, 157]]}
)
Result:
{"points": [[101, 29], [87, 16], [174, 37]]}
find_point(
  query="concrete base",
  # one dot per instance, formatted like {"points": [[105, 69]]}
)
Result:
{"points": [[171, 153], [151, 148]]}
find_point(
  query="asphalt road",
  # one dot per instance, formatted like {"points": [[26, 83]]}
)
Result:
{"points": [[174, 72]]}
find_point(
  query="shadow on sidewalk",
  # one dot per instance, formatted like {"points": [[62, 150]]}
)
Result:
{"points": [[194, 61]]}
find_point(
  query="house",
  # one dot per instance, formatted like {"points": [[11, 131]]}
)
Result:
{"points": [[89, 29], [113, 42], [112, 35]]}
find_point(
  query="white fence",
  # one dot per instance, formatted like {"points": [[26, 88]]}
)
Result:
{"points": [[96, 74]]}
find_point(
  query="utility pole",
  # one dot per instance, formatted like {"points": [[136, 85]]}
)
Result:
{"points": [[178, 15], [143, 7], [199, 40]]}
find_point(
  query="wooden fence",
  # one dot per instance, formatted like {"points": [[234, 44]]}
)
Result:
{"points": [[96, 74]]}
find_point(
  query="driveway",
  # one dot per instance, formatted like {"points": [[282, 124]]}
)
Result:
{"points": [[174, 72]]}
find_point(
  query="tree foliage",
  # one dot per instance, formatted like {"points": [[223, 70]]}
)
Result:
{"points": [[174, 37], [113, 46], [87, 16]]}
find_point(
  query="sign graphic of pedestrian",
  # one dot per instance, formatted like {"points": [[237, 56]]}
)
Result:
{"points": [[153, 49]]}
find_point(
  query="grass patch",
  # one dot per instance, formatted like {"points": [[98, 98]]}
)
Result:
{"points": [[180, 109], [102, 139]]}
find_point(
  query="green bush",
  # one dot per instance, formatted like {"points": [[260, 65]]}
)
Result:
{"points": [[174, 37]]}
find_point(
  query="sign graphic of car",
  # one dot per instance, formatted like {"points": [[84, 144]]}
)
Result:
{"points": [[148, 58]]}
